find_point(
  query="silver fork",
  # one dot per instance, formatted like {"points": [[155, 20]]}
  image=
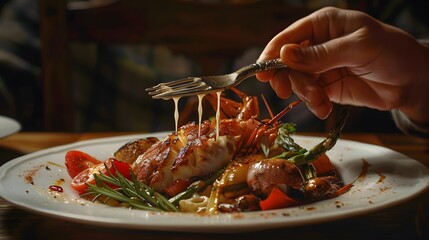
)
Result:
{"points": [[201, 85]]}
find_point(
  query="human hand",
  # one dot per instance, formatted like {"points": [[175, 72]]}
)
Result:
{"points": [[375, 64]]}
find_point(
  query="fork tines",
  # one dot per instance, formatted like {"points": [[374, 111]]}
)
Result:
{"points": [[183, 87]]}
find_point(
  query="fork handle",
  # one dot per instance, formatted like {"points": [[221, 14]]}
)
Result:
{"points": [[252, 69]]}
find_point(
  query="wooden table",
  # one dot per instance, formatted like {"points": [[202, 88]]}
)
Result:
{"points": [[409, 220]]}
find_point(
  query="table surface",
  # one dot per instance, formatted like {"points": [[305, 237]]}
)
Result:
{"points": [[409, 220]]}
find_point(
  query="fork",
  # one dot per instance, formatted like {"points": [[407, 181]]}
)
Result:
{"points": [[201, 85]]}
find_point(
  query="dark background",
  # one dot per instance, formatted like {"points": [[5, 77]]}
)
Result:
{"points": [[165, 40]]}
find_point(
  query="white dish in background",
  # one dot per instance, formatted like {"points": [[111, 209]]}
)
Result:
{"points": [[392, 178], [8, 126]]}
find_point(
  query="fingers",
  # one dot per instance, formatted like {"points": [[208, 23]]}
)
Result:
{"points": [[314, 28], [265, 76], [298, 32], [307, 89], [319, 58], [335, 42], [280, 83]]}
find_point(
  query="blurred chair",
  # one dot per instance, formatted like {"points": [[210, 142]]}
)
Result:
{"points": [[209, 32]]}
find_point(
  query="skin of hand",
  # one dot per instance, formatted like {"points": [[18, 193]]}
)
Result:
{"points": [[351, 59]]}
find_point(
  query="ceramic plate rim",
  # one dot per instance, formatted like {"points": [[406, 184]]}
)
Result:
{"points": [[190, 222]]}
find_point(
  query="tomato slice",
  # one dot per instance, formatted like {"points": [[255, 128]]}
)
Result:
{"points": [[80, 181], [77, 161]]}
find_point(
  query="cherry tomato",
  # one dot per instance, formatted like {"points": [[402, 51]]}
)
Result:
{"points": [[80, 181], [77, 161], [122, 167]]}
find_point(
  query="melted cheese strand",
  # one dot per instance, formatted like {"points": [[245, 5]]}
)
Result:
{"points": [[200, 113], [218, 113], [176, 111]]}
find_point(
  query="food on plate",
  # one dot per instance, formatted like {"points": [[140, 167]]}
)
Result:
{"points": [[233, 163]]}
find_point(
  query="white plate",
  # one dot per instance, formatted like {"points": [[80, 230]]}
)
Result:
{"points": [[8, 126], [392, 178]]}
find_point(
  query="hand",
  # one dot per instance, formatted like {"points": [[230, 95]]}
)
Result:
{"points": [[361, 61]]}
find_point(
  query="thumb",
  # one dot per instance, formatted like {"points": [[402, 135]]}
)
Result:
{"points": [[317, 58]]}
